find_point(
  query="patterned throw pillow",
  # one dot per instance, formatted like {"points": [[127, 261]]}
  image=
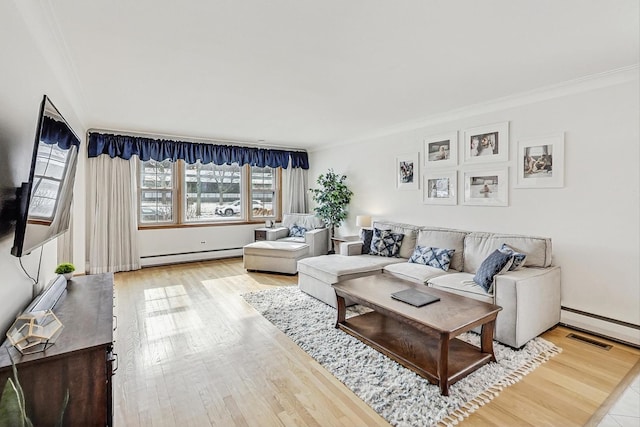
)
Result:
{"points": [[495, 263], [433, 257], [366, 234], [518, 258], [297, 231], [385, 243]]}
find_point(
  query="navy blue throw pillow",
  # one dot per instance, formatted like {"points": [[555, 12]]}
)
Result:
{"points": [[366, 234], [492, 265]]}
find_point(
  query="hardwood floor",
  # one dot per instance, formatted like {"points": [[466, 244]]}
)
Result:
{"points": [[192, 352]]}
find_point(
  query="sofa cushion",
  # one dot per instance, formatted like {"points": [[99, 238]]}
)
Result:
{"points": [[461, 284], [331, 268], [444, 238], [518, 258], [385, 243], [433, 257], [292, 239], [478, 246], [308, 221], [417, 273], [495, 263], [410, 233]]}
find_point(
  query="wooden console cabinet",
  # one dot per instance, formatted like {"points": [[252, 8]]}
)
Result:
{"points": [[80, 361]]}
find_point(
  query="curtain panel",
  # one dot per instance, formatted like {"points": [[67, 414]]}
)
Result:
{"points": [[124, 147], [112, 221]]}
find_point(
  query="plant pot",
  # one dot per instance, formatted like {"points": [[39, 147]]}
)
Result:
{"points": [[67, 275]]}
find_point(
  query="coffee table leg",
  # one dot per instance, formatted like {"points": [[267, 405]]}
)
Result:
{"points": [[342, 310], [486, 337], [443, 364]]}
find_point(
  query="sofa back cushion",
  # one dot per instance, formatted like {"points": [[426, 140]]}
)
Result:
{"points": [[307, 221], [478, 246], [409, 231], [445, 239]]}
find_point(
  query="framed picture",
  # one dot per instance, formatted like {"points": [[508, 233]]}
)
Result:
{"points": [[541, 162], [486, 144], [486, 187], [440, 188], [441, 150], [407, 171]]}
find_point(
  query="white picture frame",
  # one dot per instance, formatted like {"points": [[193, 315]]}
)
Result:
{"points": [[486, 187], [440, 188], [487, 144], [441, 150], [541, 162], [408, 171]]}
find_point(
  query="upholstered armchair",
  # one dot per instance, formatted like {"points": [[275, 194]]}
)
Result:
{"points": [[302, 228]]}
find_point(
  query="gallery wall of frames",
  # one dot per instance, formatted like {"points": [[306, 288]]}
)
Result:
{"points": [[480, 166]]}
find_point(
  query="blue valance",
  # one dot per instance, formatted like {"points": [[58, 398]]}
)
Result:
{"points": [[55, 132], [124, 146]]}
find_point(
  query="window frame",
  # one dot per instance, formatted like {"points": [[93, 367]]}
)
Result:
{"points": [[179, 202]]}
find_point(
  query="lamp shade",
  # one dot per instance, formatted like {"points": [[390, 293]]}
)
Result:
{"points": [[363, 221]]}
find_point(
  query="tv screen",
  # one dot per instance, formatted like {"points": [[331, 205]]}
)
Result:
{"points": [[45, 200]]}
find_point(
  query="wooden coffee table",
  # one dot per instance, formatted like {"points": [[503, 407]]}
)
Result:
{"points": [[419, 338]]}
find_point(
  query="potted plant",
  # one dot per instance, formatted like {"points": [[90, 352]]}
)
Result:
{"points": [[332, 199], [66, 269]]}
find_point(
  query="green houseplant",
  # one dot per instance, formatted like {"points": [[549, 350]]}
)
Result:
{"points": [[66, 269], [332, 199]]}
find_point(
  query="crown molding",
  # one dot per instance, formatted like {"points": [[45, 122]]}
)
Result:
{"points": [[580, 85]]}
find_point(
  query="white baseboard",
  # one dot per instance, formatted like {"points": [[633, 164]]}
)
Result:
{"points": [[605, 328]]}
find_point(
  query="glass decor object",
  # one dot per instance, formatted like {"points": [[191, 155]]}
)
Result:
{"points": [[35, 331]]}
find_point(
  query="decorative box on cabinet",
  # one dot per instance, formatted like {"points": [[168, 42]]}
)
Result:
{"points": [[81, 360]]}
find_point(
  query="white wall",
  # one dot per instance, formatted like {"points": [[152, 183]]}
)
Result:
{"points": [[25, 77], [162, 246], [593, 221]]}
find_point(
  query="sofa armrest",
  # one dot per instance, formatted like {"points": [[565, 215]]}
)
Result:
{"points": [[277, 233], [318, 241], [530, 301], [353, 247]]}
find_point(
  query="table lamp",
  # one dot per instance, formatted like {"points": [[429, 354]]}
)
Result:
{"points": [[363, 221]]}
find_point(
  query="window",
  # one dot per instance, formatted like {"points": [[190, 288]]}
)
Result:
{"points": [[47, 179], [156, 192], [184, 194], [263, 191], [212, 191]]}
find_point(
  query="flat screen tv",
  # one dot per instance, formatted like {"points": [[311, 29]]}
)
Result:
{"points": [[45, 200]]}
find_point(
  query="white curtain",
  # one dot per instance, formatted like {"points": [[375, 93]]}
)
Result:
{"points": [[294, 190], [112, 215]]}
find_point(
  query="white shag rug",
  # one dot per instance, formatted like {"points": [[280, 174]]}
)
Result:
{"points": [[399, 395]]}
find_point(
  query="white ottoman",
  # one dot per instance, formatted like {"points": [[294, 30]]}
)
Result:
{"points": [[273, 256], [317, 274]]}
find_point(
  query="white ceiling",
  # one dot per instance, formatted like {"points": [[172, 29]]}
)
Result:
{"points": [[304, 73]]}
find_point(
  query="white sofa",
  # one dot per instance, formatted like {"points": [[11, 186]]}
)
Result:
{"points": [[280, 252], [529, 297]]}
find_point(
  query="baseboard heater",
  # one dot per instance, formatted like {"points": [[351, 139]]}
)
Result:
{"points": [[190, 253], [630, 329]]}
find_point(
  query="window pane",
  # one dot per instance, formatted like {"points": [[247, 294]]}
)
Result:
{"points": [[263, 191], [50, 167], [213, 192], [156, 192]]}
